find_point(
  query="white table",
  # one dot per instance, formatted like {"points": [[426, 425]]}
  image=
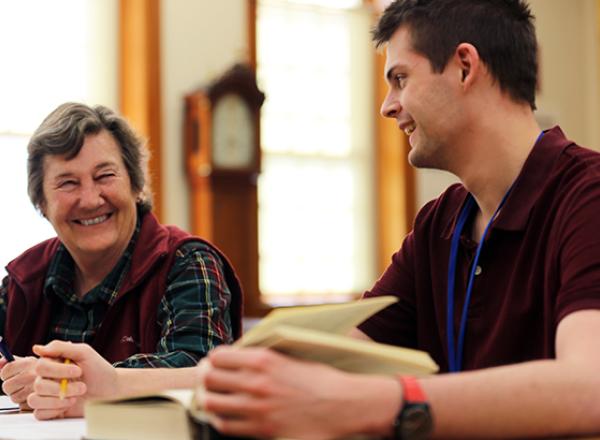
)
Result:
{"points": [[15, 425]]}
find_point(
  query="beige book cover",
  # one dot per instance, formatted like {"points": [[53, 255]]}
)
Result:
{"points": [[169, 414]]}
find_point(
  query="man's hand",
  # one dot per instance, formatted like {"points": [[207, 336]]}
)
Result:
{"points": [[18, 377], [89, 375], [257, 392]]}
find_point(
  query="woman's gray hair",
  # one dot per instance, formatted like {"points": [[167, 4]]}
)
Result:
{"points": [[63, 132]]}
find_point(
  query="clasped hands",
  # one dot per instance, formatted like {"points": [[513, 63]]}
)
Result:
{"points": [[34, 383]]}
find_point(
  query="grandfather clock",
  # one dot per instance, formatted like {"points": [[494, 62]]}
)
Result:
{"points": [[222, 155]]}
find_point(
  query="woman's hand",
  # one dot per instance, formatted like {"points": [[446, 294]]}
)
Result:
{"points": [[88, 375], [18, 377]]}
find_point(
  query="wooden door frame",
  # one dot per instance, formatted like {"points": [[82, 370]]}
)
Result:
{"points": [[139, 81]]}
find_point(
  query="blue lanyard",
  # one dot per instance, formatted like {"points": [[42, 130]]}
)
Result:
{"points": [[455, 355]]}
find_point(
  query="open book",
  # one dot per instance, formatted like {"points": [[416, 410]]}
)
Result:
{"points": [[316, 333]]}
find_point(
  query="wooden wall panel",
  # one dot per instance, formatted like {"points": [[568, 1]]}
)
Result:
{"points": [[139, 79], [395, 178]]}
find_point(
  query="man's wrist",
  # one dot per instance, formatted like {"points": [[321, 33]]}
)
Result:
{"points": [[381, 409], [414, 420]]}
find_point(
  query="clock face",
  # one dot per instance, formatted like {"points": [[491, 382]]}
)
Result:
{"points": [[232, 133]]}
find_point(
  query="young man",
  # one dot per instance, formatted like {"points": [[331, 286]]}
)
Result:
{"points": [[515, 246], [514, 249]]}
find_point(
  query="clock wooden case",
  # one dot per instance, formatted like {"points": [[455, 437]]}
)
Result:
{"points": [[222, 156]]}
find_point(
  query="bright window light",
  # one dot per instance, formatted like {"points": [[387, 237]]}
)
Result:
{"points": [[52, 52], [315, 190], [332, 4], [21, 226]]}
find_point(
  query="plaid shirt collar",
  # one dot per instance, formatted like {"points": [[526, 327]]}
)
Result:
{"points": [[61, 274]]}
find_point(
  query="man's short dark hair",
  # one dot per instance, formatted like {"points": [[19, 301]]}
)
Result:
{"points": [[501, 30]]}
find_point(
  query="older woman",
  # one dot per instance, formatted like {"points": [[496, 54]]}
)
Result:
{"points": [[139, 293]]}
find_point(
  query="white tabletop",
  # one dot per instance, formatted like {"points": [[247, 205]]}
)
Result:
{"points": [[15, 425], [6, 404]]}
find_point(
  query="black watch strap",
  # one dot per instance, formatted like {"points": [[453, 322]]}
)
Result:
{"points": [[414, 421]]}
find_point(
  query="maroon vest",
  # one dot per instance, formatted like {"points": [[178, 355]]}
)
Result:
{"points": [[130, 325]]}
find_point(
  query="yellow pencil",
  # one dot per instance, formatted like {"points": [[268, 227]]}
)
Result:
{"points": [[62, 393]]}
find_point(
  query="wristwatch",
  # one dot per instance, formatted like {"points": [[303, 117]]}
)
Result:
{"points": [[414, 421]]}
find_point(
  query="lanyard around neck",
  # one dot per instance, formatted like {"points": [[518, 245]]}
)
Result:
{"points": [[455, 354]]}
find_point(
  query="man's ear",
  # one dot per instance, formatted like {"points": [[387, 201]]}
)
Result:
{"points": [[467, 59]]}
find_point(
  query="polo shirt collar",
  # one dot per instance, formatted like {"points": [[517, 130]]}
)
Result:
{"points": [[527, 187], [532, 179]]}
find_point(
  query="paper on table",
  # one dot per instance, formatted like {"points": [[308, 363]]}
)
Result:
{"points": [[24, 426], [7, 405]]}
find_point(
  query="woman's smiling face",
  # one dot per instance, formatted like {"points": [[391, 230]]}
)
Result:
{"points": [[89, 200]]}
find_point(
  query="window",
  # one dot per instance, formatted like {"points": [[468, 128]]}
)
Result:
{"points": [[314, 63], [21, 226], [63, 50]]}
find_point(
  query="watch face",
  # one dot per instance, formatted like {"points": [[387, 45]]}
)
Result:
{"points": [[416, 422], [232, 133]]}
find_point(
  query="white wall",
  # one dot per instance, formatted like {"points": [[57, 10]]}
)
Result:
{"points": [[199, 40], [103, 21], [568, 36]]}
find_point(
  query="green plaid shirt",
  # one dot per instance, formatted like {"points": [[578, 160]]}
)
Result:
{"points": [[192, 314]]}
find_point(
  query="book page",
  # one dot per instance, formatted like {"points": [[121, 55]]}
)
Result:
{"points": [[329, 318], [349, 354], [182, 396]]}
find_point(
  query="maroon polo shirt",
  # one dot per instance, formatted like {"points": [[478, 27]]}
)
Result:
{"points": [[540, 261]]}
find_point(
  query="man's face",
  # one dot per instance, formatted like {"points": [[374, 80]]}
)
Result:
{"points": [[89, 200], [425, 104]]}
